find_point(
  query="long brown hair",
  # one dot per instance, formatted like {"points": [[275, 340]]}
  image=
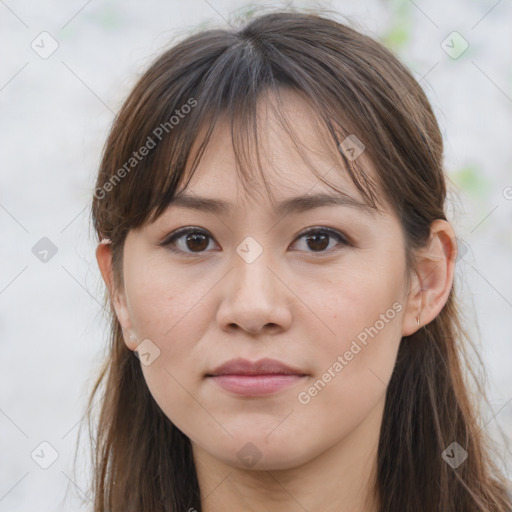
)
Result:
{"points": [[141, 461]]}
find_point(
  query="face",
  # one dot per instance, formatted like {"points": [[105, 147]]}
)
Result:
{"points": [[320, 291]]}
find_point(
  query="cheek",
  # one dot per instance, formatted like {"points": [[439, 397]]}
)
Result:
{"points": [[356, 356], [162, 301], [353, 367], [166, 309], [357, 300]]}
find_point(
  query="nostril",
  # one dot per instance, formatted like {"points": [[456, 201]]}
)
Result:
{"points": [[256, 331]]}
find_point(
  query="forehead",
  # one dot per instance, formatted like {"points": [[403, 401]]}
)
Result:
{"points": [[275, 159]]}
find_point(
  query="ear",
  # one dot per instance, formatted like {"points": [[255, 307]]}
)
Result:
{"points": [[117, 297], [433, 279]]}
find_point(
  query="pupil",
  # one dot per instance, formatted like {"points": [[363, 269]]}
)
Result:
{"points": [[323, 245], [194, 238]]}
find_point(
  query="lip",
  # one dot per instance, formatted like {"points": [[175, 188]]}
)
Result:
{"points": [[264, 366], [262, 377]]}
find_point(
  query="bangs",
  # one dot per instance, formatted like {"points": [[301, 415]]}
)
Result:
{"points": [[235, 83], [225, 76]]}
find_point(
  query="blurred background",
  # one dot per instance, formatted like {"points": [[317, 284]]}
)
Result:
{"points": [[66, 68]]}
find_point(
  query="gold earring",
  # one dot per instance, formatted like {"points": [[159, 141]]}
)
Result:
{"points": [[418, 320]]}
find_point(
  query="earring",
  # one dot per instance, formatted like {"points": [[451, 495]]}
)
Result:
{"points": [[133, 337], [105, 241], [418, 320]]}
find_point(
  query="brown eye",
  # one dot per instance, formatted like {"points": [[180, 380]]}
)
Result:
{"points": [[188, 240], [318, 240], [196, 241]]}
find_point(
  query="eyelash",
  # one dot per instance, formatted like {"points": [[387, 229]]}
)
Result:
{"points": [[176, 235]]}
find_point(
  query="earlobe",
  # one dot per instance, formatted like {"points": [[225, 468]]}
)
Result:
{"points": [[104, 259], [433, 279]]}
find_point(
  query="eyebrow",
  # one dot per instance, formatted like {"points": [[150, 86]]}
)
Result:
{"points": [[291, 205]]}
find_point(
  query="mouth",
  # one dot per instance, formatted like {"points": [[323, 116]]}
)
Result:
{"points": [[263, 377]]}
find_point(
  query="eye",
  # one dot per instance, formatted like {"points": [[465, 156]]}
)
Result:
{"points": [[192, 240], [318, 239], [196, 240]]}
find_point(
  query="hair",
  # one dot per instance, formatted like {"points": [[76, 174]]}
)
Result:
{"points": [[355, 85]]}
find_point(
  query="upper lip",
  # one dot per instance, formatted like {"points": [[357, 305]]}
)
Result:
{"points": [[261, 367]]}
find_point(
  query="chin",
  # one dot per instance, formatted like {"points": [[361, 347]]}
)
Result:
{"points": [[263, 453]]}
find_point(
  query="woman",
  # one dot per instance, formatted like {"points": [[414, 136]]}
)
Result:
{"points": [[308, 353]]}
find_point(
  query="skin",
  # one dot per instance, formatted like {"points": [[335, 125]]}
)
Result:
{"points": [[294, 303]]}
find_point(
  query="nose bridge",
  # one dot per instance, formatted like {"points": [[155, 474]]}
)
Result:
{"points": [[254, 296], [252, 275]]}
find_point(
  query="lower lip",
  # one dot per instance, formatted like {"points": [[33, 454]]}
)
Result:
{"points": [[256, 385]]}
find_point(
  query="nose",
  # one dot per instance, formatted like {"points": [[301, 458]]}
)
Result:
{"points": [[254, 298]]}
